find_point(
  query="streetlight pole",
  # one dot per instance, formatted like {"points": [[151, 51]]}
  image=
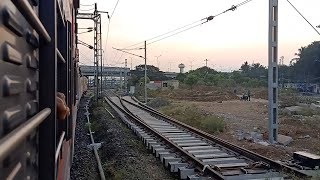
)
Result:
{"points": [[145, 72]]}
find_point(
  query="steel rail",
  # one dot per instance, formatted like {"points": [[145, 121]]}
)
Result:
{"points": [[95, 151], [244, 152], [202, 166]]}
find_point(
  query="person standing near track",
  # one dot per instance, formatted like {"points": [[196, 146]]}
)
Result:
{"points": [[249, 94]]}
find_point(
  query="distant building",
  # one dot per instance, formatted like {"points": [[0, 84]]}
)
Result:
{"points": [[171, 75], [163, 84], [170, 84]]}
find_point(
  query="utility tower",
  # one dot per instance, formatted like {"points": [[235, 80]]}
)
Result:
{"points": [[97, 48], [125, 75]]}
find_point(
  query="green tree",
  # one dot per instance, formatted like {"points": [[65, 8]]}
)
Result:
{"points": [[306, 68], [245, 67], [180, 77], [191, 80], [133, 80], [142, 80], [150, 68]]}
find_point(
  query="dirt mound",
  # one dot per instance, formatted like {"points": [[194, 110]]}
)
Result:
{"points": [[202, 94]]}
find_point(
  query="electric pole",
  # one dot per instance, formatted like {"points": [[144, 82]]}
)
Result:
{"points": [[145, 72], [273, 71], [206, 62], [158, 60], [125, 75]]}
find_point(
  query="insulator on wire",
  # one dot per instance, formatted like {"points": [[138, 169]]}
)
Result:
{"points": [[210, 18]]}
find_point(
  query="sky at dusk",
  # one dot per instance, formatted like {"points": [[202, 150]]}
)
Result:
{"points": [[226, 41]]}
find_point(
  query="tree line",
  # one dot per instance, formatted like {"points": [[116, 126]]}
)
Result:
{"points": [[304, 68]]}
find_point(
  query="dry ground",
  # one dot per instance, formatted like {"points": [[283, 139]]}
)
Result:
{"points": [[253, 116]]}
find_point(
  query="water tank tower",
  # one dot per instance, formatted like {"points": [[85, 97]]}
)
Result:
{"points": [[181, 67]]}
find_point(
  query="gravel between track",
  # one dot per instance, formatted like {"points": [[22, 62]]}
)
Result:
{"points": [[84, 166], [122, 154]]}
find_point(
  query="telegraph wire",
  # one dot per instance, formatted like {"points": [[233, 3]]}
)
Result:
{"points": [[303, 16]]}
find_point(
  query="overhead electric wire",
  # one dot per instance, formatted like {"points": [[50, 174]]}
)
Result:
{"points": [[209, 18], [106, 42], [114, 9], [303, 17], [166, 33], [176, 33]]}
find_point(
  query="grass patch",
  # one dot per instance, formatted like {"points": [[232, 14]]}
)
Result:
{"points": [[136, 144], [194, 117], [308, 112]]}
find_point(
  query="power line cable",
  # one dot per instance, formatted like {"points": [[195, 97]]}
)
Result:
{"points": [[106, 42], [303, 17], [114, 9], [176, 33], [165, 33], [209, 18]]}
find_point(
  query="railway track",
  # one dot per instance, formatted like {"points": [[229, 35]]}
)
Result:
{"points": [[192, 153]]}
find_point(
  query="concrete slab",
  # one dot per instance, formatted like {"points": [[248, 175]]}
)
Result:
{"points": [[175, 165], [170, 159], [269, 176], [170, 130], [157, 151], [217, 155], [183, 138], [284, 140], [170, 134], [198, 148], [177, 135], [222, 161], [231, 165], [188, 141], [293, 110], [165, 154], [185, 172], [164, 127], [207, 151], [192, 144], [153, 143], [148, 139], [155, 146]]}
